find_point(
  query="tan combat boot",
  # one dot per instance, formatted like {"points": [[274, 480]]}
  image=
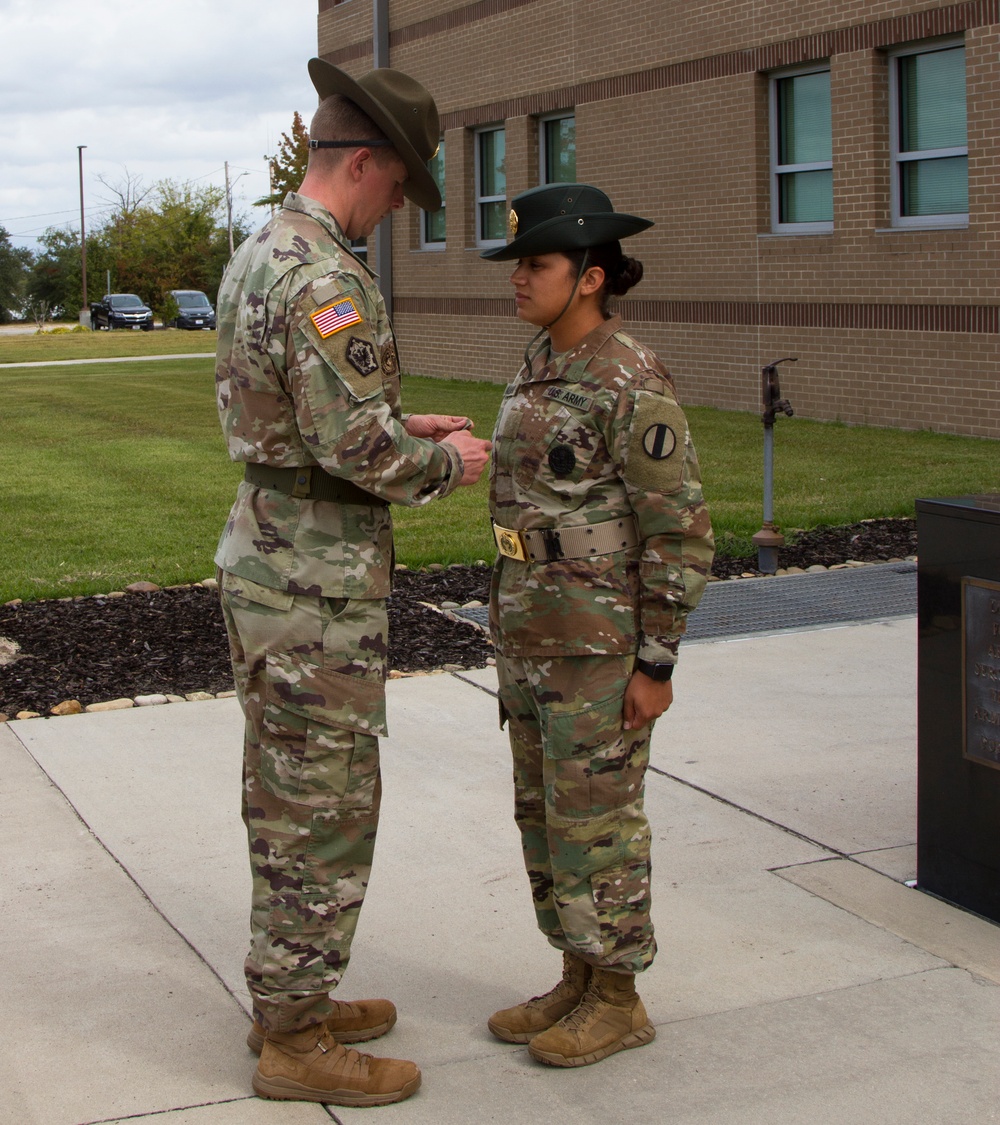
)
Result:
{"points": [[609, 1018], [311, 1066], [523, 1022], [349, 1022]]}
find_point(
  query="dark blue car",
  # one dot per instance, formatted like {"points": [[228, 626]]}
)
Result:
{"points": [[194, 309]]}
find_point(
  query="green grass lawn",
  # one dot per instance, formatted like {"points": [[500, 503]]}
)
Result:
{"points": [[40, 347], [117, 472]]}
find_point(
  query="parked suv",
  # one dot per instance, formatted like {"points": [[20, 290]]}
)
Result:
{"points": [[121, 310], [194, 310]]}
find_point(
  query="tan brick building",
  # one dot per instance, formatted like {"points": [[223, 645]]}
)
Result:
{"points": [[823, 177]]}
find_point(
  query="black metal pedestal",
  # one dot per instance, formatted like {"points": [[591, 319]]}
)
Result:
{"points": [[958, 695]]}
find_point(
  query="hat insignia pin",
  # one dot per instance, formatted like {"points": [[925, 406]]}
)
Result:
{"points": [[512, 223]]}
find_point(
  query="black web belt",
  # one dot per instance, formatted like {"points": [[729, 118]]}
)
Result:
{"points": [[309, 483]]}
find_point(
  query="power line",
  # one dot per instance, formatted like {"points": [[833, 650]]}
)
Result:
{"points": [[42, 215]]}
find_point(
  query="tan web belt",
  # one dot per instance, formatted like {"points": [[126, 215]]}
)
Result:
{"points": [[309, 482], [550, 543]]}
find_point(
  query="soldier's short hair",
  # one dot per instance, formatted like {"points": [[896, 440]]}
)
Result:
{"points": [[338, 119]]}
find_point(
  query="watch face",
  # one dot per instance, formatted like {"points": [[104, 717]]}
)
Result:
{"points": [[658, 672]]}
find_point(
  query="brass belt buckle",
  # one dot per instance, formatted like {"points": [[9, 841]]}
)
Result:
{"points": [[509, 543]]}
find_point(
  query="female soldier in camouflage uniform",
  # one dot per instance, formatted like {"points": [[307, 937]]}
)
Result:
{"points": [[605, 545]]}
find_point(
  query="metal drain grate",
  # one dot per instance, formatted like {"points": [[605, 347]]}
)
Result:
{"points": [[794, 601]]}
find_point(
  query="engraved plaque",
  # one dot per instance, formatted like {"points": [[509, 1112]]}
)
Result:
{"points": [[981, 671]]}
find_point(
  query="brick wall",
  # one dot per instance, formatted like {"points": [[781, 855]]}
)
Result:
{"points": [[891, 327]]}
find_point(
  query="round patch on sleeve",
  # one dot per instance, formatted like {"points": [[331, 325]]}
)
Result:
{"points": [[654, 459], [659, 441], [390, 361]]}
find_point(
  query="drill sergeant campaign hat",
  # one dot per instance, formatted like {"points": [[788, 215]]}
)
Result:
{"points": [[563, 217], [401, 108]]}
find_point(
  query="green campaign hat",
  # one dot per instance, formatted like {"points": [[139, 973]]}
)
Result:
{"points": [[562, 217], [402, 109]]}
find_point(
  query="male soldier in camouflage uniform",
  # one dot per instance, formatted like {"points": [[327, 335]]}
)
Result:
{"points": [[308, 395], [605, 546]]}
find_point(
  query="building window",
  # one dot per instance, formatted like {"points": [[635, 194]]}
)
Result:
{"points": [[359, 246], [801, 152], [557, 149], [491, 187], [930, 155], [432, 222]]}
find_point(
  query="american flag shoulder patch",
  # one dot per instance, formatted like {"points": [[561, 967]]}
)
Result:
{"points": [[332, 318]]}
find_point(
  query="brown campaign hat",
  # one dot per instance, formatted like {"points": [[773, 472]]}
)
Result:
{"points": [[563, 217], [402, 109]]}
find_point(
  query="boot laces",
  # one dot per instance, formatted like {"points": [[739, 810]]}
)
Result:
{"points": [[552, 993], [587, 1010]]}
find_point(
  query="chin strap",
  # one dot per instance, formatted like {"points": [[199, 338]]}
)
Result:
{"points": [[528, 358]]}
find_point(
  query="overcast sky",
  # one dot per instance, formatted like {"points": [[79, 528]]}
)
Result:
{"points": [[155, 91]]}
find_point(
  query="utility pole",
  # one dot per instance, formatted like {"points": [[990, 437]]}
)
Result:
{"points": [[229, 211], [270, 181], [85, 307]]}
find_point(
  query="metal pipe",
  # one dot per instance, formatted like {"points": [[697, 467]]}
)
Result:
{"points": [[769, 538], [768, 474], [383, 233]]}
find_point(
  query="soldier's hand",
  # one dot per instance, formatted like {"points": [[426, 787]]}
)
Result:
{"points": [[435, 426], [645, 700], [474, 451]]}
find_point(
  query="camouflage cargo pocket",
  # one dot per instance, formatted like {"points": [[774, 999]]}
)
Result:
{"points": [[622, 900], [302, 950], [589, 762], [309, 750]]}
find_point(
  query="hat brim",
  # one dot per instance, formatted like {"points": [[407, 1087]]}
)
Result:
{"points": [[419, 186], [569, 232]]}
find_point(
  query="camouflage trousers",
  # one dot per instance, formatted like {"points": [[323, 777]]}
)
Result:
{"points": [[578, 803], [310, 675]]}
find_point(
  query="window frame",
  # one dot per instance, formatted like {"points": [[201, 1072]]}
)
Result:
{"points": [[427, 243], [897, 158], [481, 199], [776, 170], [543, 145]]}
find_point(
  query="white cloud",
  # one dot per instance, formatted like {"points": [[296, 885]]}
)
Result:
{"points": [[162, 91]]}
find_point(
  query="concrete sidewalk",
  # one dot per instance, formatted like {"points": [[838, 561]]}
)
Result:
{"points": [[799, 980]]}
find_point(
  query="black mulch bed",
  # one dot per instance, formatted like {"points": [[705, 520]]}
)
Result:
{"points": [[174, 642]]}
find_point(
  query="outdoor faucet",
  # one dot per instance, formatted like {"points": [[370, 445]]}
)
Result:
{"points": [[769, 539]]}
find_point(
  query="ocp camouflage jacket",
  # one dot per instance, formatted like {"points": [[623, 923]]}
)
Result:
{"points": [[592, 435], [307, 374]]}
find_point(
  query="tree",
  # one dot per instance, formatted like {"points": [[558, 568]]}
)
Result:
{"points": [[15, 261], [187, 244], [170, 236], [54, 280], [288, 165]]}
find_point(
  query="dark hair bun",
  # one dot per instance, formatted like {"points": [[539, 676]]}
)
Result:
{"points": [[627, 274]]}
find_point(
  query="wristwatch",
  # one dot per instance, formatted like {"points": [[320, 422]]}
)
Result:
{"points": [[658, 672]]}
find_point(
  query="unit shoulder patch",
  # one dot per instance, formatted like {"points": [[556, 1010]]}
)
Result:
{"points": [[657, 444], [360, 355]]}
